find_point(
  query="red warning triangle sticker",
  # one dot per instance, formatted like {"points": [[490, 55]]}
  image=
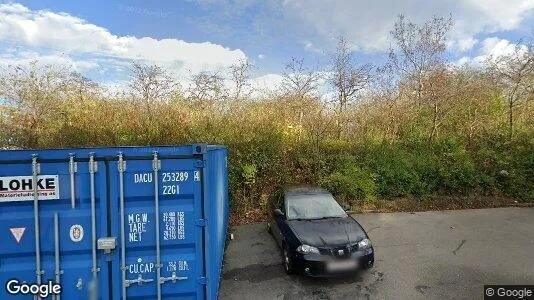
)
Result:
{"points": [[17, 233]]}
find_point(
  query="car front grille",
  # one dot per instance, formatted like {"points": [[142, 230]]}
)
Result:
{"points": [[339, 251]]}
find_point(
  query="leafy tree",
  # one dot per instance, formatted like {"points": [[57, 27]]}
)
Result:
{"points": [[418, 56], [347, 79], [515, 72]]}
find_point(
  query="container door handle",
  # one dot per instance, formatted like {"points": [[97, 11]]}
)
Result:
{"points": [[140, 280], [172, 278]]}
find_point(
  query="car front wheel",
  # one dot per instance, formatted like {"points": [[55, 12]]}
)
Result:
{"points": [[288, 262]]}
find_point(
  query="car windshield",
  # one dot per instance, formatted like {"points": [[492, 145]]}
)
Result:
{"points": [[313, 206]]}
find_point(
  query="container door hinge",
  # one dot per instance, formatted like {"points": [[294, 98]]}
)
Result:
{"points": [[73, 165], [202, 280], [156, 163], [121, 165], [200, 163], [93, 165], [201, 222], [36, 167]]}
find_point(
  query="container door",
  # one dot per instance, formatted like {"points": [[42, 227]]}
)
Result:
{"points": [[54, 241], [156, 209]]}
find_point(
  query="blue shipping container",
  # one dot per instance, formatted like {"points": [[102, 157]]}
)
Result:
{"points": [[114, 223]]}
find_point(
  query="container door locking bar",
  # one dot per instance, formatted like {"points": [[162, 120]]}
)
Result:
{"points": [[156, 166], [73, 168], [121, 166], [58, 271], [35, 173], [92, 170]]}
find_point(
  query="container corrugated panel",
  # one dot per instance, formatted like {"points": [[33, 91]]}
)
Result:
{"points": [[115, 223]]}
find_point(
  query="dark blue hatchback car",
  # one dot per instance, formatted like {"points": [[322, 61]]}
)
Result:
{"points": [[316, 235]]}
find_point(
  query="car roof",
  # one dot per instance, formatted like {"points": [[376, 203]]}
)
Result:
{"points": [[304, 190]]}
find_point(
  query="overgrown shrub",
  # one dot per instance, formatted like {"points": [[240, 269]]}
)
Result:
{"points": [[456, 171], [399, 172], [351, 184]]}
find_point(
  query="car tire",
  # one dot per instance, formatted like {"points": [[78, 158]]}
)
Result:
{"points": [[368, 266], [287, 261]]}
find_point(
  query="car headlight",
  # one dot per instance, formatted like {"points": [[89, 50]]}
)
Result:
{"points": [[364, 244], [305, 249]]}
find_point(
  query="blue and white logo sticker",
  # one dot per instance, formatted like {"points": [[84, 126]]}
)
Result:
{"points": [[76, 233]]}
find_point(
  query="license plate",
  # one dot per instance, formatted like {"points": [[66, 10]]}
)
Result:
{"points": [[342, 265]]}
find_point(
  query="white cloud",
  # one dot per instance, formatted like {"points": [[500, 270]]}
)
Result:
{"points": [[272, 82], [462, 45], [24, 57], [498, 47], [62, 35], [268, 83], [261, 56], [115, 88], [464, 61], [310, 46], [502, 15], [492, 48], [367, 23]]}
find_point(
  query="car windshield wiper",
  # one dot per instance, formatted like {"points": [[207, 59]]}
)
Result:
{"points": [[328, 217], [321, 218]]}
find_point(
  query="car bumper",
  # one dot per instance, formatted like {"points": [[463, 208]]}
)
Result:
{"points": [[316, 265]]}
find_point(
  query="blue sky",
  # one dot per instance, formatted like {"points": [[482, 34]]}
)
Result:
{"points": [[101, 38]]}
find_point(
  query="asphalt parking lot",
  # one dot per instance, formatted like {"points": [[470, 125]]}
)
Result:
{"points": [[424, 255]]}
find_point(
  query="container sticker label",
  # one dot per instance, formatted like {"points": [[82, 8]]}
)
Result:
{"points": [[76, 233], [17, 233], [174, 225], [21, 188], [137, 226]]}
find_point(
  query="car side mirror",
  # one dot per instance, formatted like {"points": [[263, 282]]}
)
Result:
{"points": [[278, 212]]}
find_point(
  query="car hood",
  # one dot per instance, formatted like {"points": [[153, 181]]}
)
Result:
{"points": [[328, 232]]}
